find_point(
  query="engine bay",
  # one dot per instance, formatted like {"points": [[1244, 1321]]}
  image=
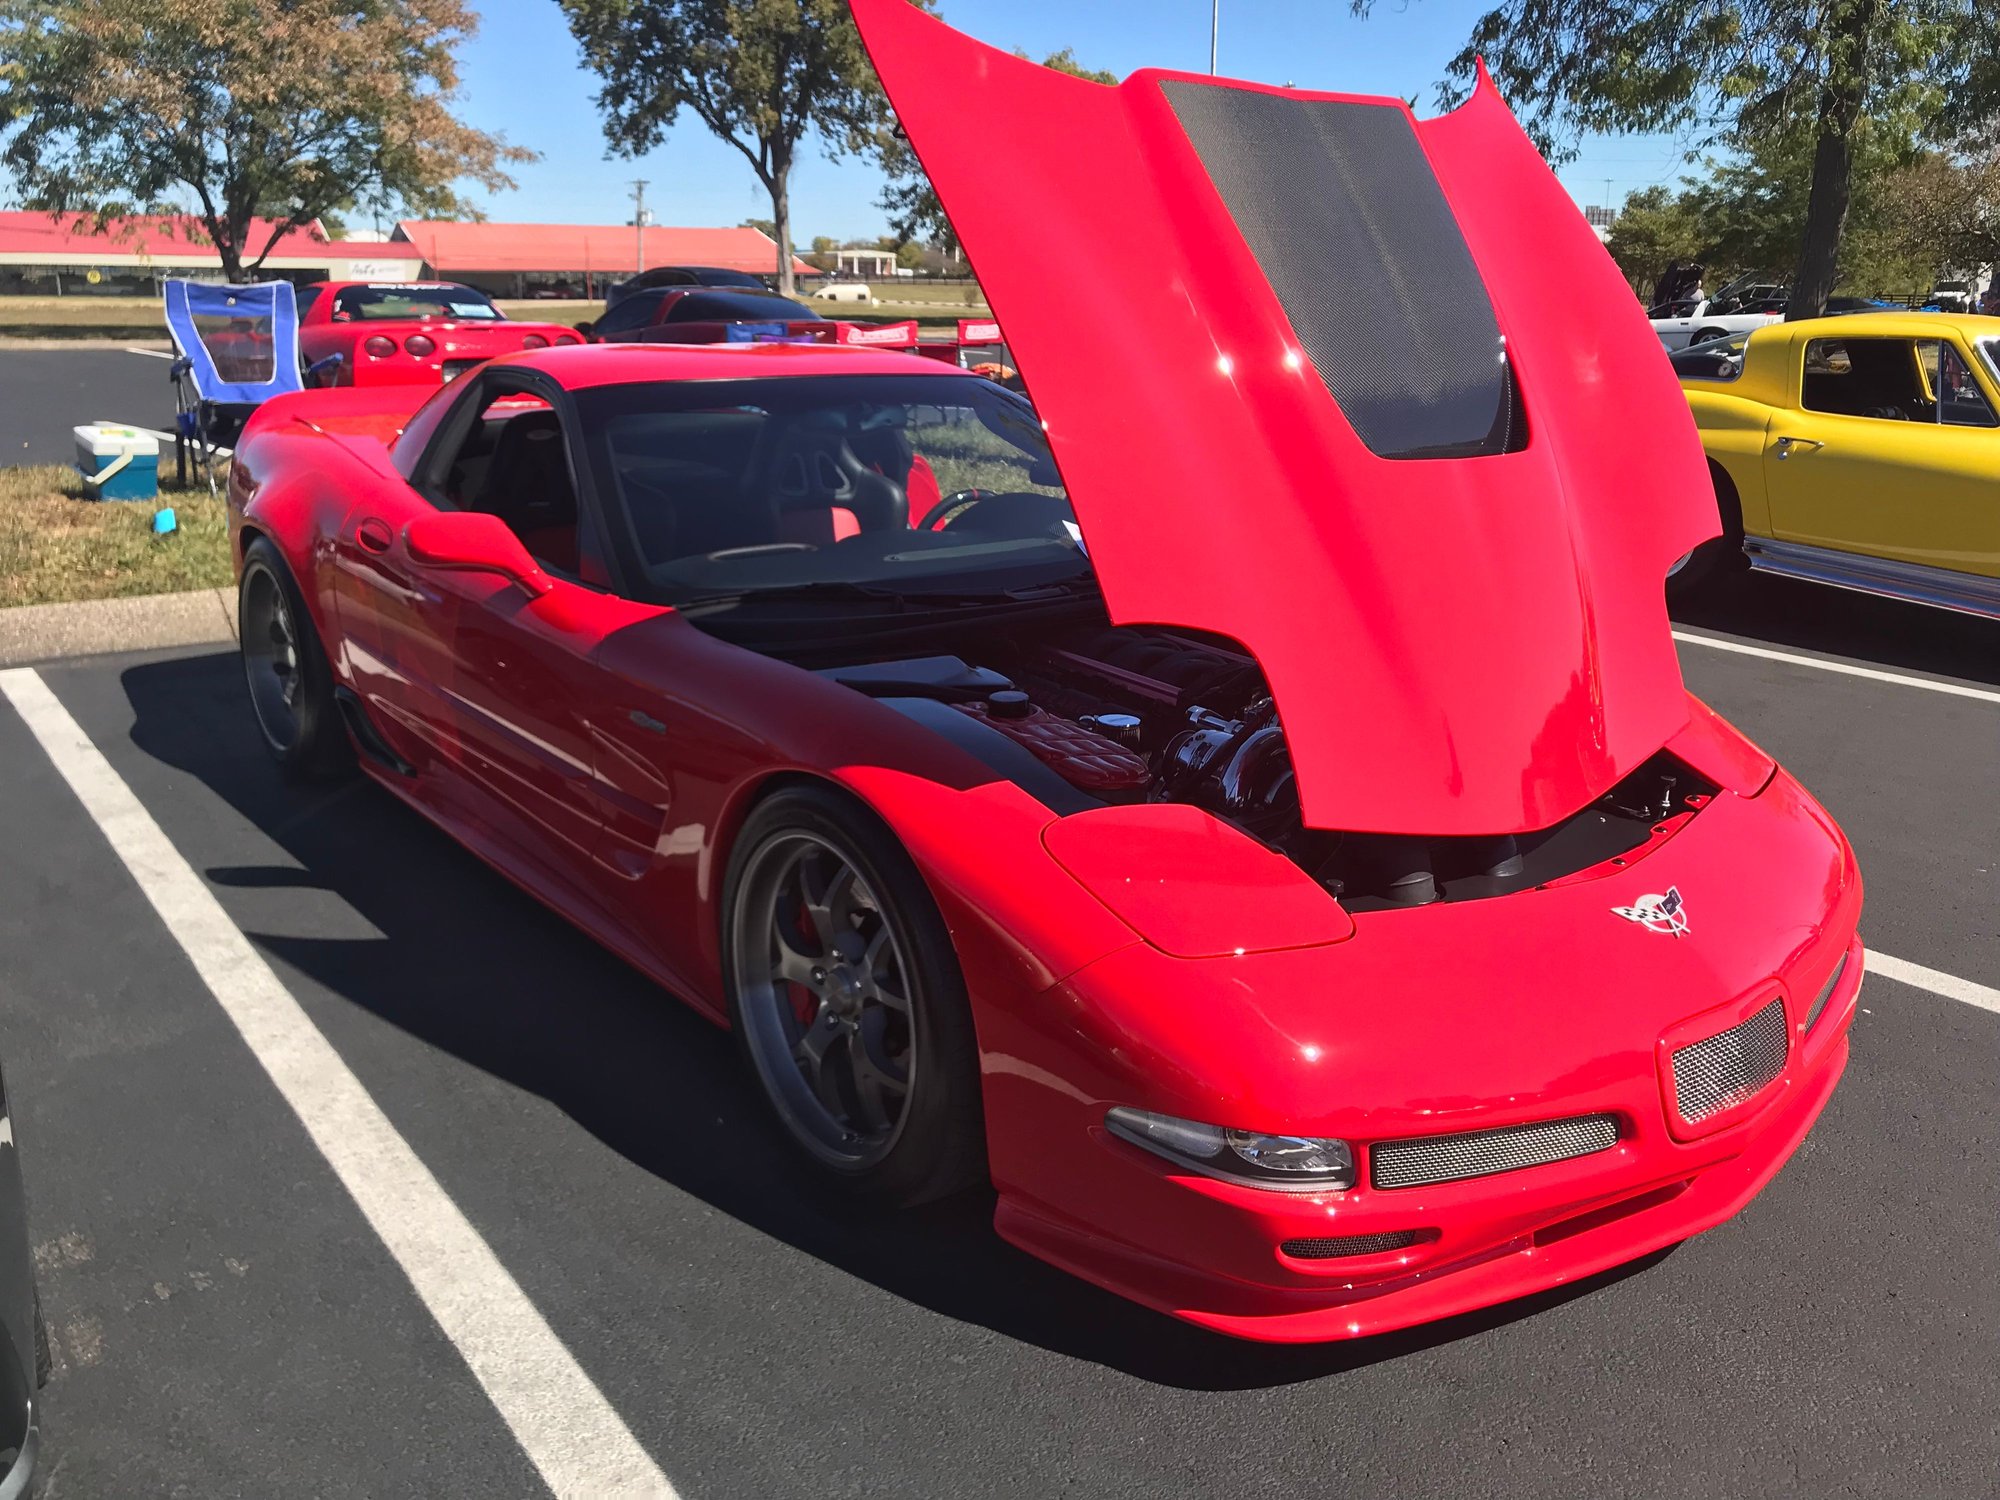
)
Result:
{"points": [[1090, 714]]}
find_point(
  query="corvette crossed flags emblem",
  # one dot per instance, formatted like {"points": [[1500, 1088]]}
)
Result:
{"points": [[1667, 914]]}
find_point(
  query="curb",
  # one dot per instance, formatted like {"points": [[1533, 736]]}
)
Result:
{"points": [[87, 343], [33, 633]]}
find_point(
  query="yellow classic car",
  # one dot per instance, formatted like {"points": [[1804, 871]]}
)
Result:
{"points": [[1859, 451]]}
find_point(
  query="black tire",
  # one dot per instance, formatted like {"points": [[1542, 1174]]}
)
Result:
{"points": [[889, 988], [286, 671], [1706, 334], [1718, 558], [43, 1363]]}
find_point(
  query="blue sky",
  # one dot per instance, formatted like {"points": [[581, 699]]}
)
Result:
{"points": [[522, 77]]}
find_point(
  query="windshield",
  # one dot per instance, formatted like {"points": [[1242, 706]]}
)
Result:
{"points": [[1718, 359], [412, 303], [839, 486]]}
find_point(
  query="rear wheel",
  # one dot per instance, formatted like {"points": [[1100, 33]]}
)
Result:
{"points": [[846, 998], [1717, 558], [1704, 335], [286, 670]]}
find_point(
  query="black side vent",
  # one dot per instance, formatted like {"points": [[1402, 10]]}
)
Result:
{"points": [[1339, 205]]}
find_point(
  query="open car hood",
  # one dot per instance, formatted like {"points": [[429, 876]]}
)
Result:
{"points": [[1364, 393]]}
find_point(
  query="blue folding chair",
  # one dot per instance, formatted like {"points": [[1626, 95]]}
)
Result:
{"points": [[238, 346]]}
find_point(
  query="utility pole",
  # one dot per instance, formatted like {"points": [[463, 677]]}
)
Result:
{"points": [[639, 219], [1214, 32], [1607, 195]]}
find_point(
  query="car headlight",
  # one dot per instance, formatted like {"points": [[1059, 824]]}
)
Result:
{"points": [[1298, 1163]]}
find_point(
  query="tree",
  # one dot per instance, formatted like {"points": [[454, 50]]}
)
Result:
{"points": [[908, 197], [288, 110], [1748, 215], [1655, 229], [1738, 75], [766, 227], [1951, 208], [763, 75]]}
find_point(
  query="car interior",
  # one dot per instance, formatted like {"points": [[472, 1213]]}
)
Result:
{"points": [[1894, 380], [728, 497]]}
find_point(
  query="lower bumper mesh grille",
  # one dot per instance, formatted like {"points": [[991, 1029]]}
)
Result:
{"points": [[1721, 1071], [1424, 1160], [1332, 1247]]}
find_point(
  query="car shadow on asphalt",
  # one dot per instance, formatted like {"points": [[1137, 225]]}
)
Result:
{"points": [[467, 963], [1789, 614]]}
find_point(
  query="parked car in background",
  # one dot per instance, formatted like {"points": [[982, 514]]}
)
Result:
{"points": [[1862, 452], [845, 291], [672, 276], [1952, 296], [407, 332], [721, 315]]}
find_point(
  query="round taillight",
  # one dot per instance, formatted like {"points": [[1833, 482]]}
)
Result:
{"points": [[377, 347], [420, 346], [533, 341], [568, 338]]}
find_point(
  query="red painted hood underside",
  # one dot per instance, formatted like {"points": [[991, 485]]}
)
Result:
{"points": [[1456, 645]]}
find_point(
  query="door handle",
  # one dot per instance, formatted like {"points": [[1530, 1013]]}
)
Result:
{"points": [[1787, 444], [374, 535]]}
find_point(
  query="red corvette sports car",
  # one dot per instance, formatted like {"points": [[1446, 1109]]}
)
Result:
{"points": [[1251, 816], [408, 332]]}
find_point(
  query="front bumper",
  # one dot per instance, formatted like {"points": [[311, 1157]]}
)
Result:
{"points": [[1480, 1016], [1485, 1241]]}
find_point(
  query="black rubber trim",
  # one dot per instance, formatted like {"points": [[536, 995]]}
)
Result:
{"points": [[1339, 205], [1011, 760], [366, 735]]}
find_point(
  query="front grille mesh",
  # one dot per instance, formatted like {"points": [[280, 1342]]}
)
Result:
{"points": [[1721, 1071], [1334, 1246], [1424, 1160]]}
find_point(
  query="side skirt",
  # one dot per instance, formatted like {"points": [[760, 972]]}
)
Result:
{"points": [[1940, 588]]}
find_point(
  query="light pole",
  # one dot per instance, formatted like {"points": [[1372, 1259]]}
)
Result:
{"points": [[639, 219], [1214, 31]]}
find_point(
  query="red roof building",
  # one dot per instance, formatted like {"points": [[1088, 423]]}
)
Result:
{"points": [[602, 252], [42, 253]]}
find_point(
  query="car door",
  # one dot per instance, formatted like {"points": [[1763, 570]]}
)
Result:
{"points": [[1890, 448], [481, 684]]}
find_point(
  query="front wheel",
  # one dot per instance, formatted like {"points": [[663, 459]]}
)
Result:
{"points": [[846, 998]]}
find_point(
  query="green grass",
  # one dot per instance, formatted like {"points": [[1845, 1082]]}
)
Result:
{"points": [[56, 545]]}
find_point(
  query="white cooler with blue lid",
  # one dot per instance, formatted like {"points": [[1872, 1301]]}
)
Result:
{"points": [[117, 462]]}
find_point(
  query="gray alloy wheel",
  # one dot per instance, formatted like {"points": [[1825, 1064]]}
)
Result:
{"points": [[824, 997], [286, 671], [271, 658]]}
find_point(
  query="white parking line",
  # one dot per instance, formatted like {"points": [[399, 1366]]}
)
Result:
{"points": [[1984, 997], [1873, 674], [570, 1432], [151, 353]]}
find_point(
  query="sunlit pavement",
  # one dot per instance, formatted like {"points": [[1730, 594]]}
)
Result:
{"points": [[232, 1315]]}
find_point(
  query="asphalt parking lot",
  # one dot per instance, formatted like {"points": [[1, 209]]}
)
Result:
{"points": [[228, 1320], [46, 392]]}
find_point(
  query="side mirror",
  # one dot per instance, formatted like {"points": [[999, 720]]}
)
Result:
{"points": [[467, 542], [586, 327]]}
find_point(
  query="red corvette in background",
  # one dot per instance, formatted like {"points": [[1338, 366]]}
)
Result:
{"points": [[1252, 817], [408, 332]]}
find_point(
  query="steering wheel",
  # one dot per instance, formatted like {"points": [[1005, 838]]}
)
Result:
{"points": [[951, 507]]}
